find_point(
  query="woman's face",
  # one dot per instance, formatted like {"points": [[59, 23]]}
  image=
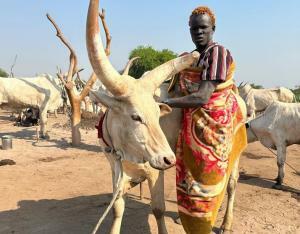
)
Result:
{"points": [[201, 29]]}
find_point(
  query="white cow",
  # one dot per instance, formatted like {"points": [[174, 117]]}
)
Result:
{"points": [[41, 92], [277, 128], [257, 100], [131, 125]]}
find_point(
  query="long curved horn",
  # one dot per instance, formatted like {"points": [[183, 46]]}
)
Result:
{"points": [[128, 65], [98, 59], [158, 75]]}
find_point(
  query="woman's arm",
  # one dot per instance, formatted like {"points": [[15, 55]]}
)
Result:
{"points": [[196, 99]]}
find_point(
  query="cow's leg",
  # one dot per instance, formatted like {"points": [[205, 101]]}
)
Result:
{"points": [[94, 108], [281, 156], [119, 205], [43, 118], [156, 186], [231, 188], [55, 113]]}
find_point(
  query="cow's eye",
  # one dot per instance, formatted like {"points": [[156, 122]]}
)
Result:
{"points": [[136, 117]]}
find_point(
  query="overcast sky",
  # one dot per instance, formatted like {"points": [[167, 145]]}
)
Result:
{"points": [[263, 36]]}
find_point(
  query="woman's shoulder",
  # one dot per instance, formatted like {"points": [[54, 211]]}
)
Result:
{"points": [[217, 46]]}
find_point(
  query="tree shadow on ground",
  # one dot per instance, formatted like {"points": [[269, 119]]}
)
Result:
{"points": [[64, 144], [7, 118], [26, 133], [74, 215], [256, 180], [29, 134], [255, 156]]}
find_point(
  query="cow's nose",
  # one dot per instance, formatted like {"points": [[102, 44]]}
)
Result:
{"points": [[169, 161]]}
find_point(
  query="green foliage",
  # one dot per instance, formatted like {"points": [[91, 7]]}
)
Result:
{"points": [[149, 59], [3, 73], [296, 91], [255, 86]]}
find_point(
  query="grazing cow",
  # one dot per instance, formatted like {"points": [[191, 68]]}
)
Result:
{"points": [[42, 92], [131, 125], [277, 128], [257, 100]]}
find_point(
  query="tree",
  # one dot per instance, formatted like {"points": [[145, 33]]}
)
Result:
{"points": [[149, 58], [296, 91], [67, 80], [3, 73]]}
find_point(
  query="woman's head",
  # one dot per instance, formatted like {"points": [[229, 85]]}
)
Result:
{"points": [[202, 24]]}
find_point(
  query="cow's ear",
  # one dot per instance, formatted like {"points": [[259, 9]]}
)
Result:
{"points": [[164, 109], [106, 100]]}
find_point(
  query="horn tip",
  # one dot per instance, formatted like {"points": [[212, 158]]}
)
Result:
{"points": [[195, 54]]}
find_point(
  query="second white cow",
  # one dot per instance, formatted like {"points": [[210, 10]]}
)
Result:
{"points": [[277, 128], [41, 92], [257, 100]]}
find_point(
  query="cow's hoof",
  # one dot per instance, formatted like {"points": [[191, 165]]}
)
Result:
{"points": [[277, 186], [45, 137], [178, 220], [223, 230]]}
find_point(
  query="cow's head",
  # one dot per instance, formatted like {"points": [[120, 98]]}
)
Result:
{"points": [[244, 92], [244, 89], [133, 119]]}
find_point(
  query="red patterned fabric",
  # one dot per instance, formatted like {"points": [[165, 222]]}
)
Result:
{"points": [[99, 127], [203, 148]]}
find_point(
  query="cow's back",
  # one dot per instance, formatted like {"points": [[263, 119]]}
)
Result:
{"points": [[279, 123], [287, 120], [33, 91], [286, 95]]}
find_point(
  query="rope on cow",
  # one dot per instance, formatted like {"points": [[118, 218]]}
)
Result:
{"points": [[115, 194], [295, 170], [118, 156]]}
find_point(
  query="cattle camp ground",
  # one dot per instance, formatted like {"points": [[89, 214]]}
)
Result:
{"points": [[56, 188], [55, 174]]}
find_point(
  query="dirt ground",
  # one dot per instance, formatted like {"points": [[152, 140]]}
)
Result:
{"points": [[55, 188]]}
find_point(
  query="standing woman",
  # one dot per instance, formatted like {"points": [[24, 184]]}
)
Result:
{"points": [[212, 134]]}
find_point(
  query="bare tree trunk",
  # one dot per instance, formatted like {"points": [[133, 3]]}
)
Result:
{"points": [[75, 122]]}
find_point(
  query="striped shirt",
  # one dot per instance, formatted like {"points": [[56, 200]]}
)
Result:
{"points": [[214, 61]]}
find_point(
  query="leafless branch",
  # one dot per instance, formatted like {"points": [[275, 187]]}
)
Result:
{"points": [[61, 77], [78, 79], [73, 58], [107, 34], [12, 66], [88, 86]]}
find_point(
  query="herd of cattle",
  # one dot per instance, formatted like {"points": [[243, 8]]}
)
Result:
{"points": [[43, 94], [272, 114]]}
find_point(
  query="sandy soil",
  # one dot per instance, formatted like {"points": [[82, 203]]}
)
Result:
{"points": [[55, 188]]}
